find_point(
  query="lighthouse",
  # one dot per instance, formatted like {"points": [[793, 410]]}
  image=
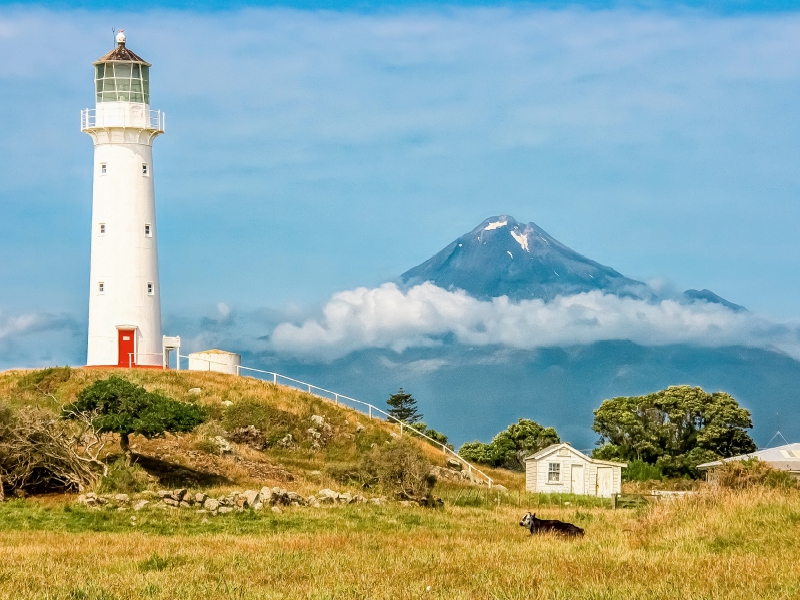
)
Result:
{"points": [[124, 293]]}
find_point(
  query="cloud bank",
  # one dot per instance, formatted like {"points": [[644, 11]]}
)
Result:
{"points": [[426, 315]]}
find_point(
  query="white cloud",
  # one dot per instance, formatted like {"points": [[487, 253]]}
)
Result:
{"points": [[388, 317]]}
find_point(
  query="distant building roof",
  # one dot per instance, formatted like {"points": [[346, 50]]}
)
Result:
{"points": [[785, 458]]}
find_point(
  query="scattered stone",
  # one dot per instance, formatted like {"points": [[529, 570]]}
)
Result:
{"points": [[121, 498], [204, 521], [179, 493], [211, 504], [140, 504], [318, 421], [223, 445], [360, 428], [250, 436], [265, 495], [195, 390], [226, 403], [200, 497], [315, 473], [287, 441], [276, 510], [251, 497], [224, 510], [170, 502], [454, 464], [184, 504], [164, 493]]}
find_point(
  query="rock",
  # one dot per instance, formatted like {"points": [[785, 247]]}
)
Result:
{"points": [[195, 390], [148, 494], [222, 444], [313, 434], [287, 441], [224, 510], [179, 493], [170, 502], [211, 504], [258, 506], [265, 495], [200, 497], [164, 493], [315, 473], [251, 497], [454, 464], [184, 504], [226, 403], [294, 497], [327, 496], [345, 498], [121, 498], [318, 421], [276, 510], [249, 436], [204, 521], [360, 428], [140, 504]]}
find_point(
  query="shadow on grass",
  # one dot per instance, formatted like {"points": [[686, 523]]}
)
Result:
{"points": [[173, 475]]}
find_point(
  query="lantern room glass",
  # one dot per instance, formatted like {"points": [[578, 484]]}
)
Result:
{"points": [[122, 82]]}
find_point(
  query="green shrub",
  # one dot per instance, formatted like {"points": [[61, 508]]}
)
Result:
{"points": [[124, 478], [400, 469], [274, 423], [45, 381], [742, 474], [638, 470]]}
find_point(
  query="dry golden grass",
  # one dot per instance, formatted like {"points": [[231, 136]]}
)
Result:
{"points": [[724, 545]]}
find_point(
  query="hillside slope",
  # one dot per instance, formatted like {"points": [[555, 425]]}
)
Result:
{"points": [[257, 432]]}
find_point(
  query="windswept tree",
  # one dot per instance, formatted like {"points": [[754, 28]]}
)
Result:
{"points": [[509, 448], [119, 406], [403, 407], [676, 428]]}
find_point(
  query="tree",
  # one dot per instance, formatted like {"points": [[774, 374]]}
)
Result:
{"points": [[403, 407], [119, 406], [509, 448], [676, 428]]}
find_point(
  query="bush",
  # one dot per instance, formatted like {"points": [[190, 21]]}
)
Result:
{"points": [[400, 469], [437, 436], [274, 423], [124, 478], [45, 381], [509, 448], [742, 474], [638, 470]]}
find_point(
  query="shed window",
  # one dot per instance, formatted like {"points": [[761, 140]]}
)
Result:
{"points": [[553, 472]]}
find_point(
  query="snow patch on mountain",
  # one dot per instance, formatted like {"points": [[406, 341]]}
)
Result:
{"points": [[495, 225], [522, 239]]}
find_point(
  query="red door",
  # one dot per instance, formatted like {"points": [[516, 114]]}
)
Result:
{"points": [[127, 358]]}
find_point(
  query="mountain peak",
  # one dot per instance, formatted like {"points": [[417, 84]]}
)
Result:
{"points": [[503, 257]]}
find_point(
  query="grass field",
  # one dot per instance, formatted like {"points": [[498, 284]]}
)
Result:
{"points": [[728, 545]]}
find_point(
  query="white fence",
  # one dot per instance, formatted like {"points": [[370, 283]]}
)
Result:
{"points": [[340, 399]]}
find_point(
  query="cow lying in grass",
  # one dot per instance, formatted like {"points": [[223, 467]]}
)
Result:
{"points": [[534, 525]]}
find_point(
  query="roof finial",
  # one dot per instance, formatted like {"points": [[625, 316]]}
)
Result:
{"points": [[121, 37]]}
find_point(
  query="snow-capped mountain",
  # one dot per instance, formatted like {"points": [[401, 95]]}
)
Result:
{"points": [[502, 257]]}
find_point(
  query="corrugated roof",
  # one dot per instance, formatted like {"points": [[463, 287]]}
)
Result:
{"points": [[121, 53], [785, 458]]}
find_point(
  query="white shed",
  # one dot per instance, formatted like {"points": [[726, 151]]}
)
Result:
{"points": [[562, 469], [215, 360]]}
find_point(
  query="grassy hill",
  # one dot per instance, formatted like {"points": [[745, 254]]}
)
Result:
{"points": [[282, 451]]}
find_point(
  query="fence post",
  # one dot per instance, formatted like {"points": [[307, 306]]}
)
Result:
{"points": [[370, 411], [275, 378], [336, 399], [309, 388]]}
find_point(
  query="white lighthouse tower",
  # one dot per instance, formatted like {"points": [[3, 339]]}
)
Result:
{"points": [[124, 297]]}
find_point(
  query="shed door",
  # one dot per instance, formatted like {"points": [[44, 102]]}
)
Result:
{"points": [[577, 479], [604, 480], [126, 347]]}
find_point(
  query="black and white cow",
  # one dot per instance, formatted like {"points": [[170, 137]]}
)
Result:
{"points": [[534, 525]]}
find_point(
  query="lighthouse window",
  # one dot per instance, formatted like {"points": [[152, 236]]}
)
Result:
{"points": [[102, 168], [147, 230], [101, 287], [150, 287], [145, 170], [102, 228], [122, 82]]}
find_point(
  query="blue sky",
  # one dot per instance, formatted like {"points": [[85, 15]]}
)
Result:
{"points": [[314, 151]]}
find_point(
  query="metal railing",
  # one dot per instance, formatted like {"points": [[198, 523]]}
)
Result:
{"points": [[150, 119], [134, 361], [365, 407]]}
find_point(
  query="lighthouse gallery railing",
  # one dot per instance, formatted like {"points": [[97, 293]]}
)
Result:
{"points": [[149, 119]]}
